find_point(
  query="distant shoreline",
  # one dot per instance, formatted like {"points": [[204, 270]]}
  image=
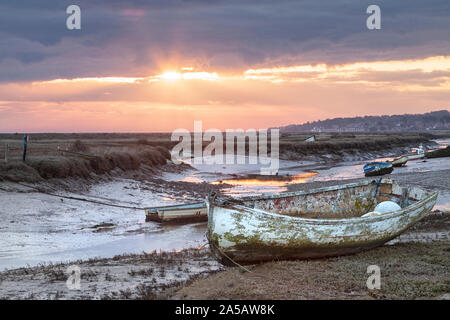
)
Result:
{"points": [[88, 156]]}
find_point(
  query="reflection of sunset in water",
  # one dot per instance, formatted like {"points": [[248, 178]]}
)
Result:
{"points": [[239, 192], [192, 179], [273, 182], [263, 184]]}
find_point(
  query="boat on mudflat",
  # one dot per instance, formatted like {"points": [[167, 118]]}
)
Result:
{"points": [[438, 153], [192, 212], [377, 168], [400, 161], [416, 153], [323, 222]]}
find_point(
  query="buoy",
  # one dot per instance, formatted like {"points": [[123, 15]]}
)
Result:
{"points": [[387, 206]]}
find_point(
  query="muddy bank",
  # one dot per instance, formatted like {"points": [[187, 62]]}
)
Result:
{"points": [[40, 168], [338, 147], [413, 267], [45, 223], [145, 276], [61, 156]]}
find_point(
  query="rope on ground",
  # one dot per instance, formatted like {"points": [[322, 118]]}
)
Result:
{"points": [[81, 199], [251, 272], [237, 264]]}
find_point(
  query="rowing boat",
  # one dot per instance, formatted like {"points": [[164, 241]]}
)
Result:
{"points": [[400, 161], [416, 153], [377, 168], [192, 212], [311, 224]]}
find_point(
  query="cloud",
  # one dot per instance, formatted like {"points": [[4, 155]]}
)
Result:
{"points": [[279, 86], [139, 38]]}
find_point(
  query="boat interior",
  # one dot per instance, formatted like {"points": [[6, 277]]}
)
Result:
{"points": [[337, 202]]}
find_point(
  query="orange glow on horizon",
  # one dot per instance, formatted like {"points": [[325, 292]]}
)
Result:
{"points": [[253, 98], [171, 76], [346, 73]]}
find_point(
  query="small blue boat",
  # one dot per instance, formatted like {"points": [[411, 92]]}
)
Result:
{"points": [[377, 168]]}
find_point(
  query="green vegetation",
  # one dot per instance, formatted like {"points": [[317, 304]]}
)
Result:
{"points": [[439, 153]]}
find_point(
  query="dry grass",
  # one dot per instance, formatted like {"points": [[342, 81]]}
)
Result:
{"points": [[408, 271], [37, 168], [130, 151], [344, 142], [87, 154], [79, 146]]}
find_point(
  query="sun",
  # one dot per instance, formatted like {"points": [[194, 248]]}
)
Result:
{"points": [[171, 75]]}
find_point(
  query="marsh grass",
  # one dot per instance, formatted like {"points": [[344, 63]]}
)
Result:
{"points": [[133, 151], [408, 271], [38, 168]]}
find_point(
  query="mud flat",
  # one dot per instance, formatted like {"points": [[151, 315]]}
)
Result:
{"points": [[153, 275], [413, 266], [45, 223]]}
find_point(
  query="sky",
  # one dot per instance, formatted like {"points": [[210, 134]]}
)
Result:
{"points": [[158, 65]]}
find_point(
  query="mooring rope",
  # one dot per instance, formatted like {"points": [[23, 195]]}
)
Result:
{"points": [[239, 265], [81, 199], [249, 271]]}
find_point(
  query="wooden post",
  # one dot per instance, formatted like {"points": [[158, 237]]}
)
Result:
{"points": [[25, 143], [6, 153]]}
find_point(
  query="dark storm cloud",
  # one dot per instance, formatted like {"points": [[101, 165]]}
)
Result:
{"points": [[131, 37]]}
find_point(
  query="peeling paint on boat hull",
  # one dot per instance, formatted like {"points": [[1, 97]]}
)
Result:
{"points": [[249, 232]]}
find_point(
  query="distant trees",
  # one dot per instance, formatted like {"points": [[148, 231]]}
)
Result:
{"points": [[437, 120]]}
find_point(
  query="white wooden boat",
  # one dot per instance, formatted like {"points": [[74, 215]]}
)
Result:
{"points": [[310, 224], [416, 153], [192, 212], [400, 161]]}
